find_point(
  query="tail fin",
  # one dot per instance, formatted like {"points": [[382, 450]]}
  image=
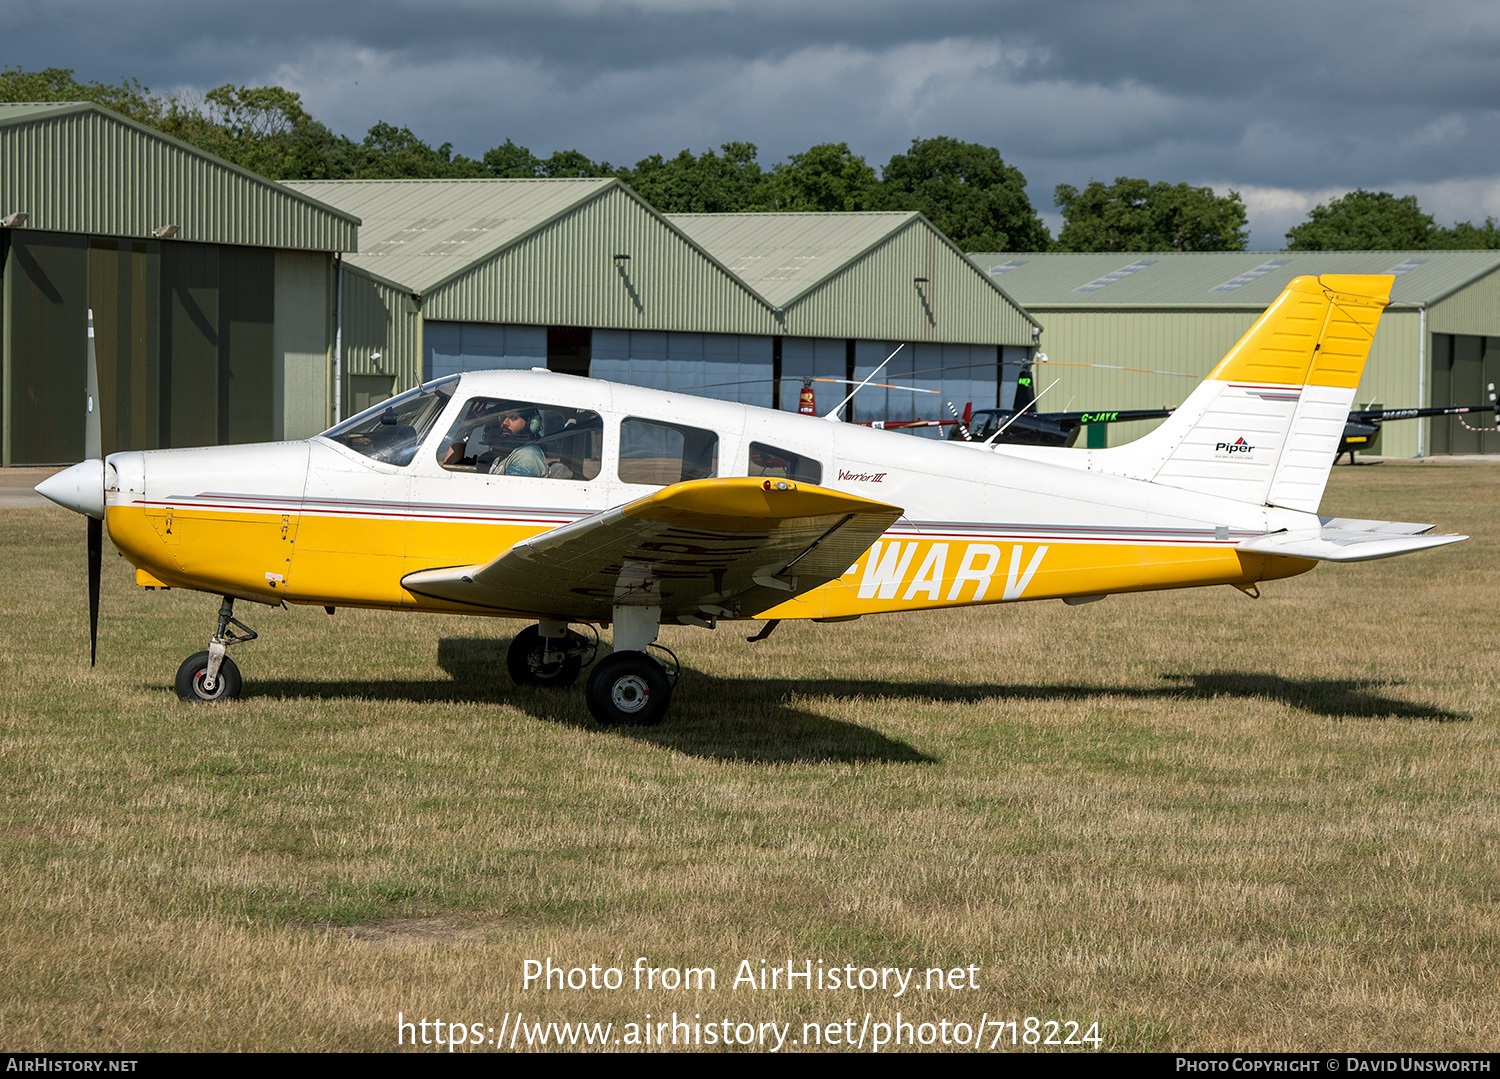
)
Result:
{"points": [[1025, 391], [1264, 426]]}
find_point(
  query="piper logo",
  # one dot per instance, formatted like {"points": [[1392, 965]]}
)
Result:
{"points": [[1239, 445]]}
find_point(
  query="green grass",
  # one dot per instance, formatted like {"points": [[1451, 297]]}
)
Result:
{"points": [[1204, 822]]}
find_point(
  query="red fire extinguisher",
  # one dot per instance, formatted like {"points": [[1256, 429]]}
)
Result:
{"points": [[806, 405]]}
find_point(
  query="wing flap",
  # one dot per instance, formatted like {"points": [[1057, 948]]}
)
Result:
{"points": [[718, 548], [1358, 544]]}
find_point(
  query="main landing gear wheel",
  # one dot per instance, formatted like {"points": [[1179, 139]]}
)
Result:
{"points": [[628, 688], [532, 663], [193, 673]]}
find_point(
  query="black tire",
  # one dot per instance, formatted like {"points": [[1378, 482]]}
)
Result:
{"points": [[629, 689], [524, 660], [190, 680]]}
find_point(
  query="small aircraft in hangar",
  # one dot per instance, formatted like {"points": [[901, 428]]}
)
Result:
{"points": [[569, 502]]}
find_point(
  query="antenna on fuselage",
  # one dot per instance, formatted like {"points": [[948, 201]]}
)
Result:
{"points": [[833, 415]]}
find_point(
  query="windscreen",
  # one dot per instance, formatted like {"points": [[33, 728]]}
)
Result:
{"points": [[392, 430]]}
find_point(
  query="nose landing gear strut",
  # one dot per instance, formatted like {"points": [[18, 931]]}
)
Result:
{"points": [[212, 676]]}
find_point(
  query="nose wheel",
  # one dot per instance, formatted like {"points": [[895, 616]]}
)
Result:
{"points": [[208, 677], [628, 689], [192, 679]]}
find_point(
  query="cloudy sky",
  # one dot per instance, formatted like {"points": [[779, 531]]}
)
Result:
{"points": [[1288, 102]]}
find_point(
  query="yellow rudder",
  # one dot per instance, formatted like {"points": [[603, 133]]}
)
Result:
{"points": [[1318, 333]]}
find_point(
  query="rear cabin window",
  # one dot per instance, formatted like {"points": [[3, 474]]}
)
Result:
{"points": [[500, 437], [656, 453], [783, 464]]}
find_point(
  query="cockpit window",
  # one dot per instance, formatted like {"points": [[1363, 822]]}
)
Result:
{"points": [[982, 426], [774, 461], [392, 430], [523, 438]]}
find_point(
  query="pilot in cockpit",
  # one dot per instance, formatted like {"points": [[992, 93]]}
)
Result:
{"points": [[501, 441], [516, 452]]}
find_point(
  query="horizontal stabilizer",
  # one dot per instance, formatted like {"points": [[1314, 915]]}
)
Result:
{"points": [[1357, 541]]}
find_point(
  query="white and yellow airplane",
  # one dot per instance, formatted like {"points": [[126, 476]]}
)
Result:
{"points": [[574, 501]]}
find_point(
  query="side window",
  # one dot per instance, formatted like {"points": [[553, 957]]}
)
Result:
{"points": [[661, 453], [783, 464], [522, 438]]}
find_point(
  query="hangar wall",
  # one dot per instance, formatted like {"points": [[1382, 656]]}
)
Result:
{"points": [[1470, 310], [76, 167], [302, 345], [914, 286], [611, 262], [379, 328]]}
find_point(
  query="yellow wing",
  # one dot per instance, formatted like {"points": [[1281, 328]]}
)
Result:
{"points": [[707, 549]]}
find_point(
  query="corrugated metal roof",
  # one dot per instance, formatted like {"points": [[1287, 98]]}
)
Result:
{"points": [[13, 111], [422, 232], [75, 166], [1218, 278], [783, 256]]}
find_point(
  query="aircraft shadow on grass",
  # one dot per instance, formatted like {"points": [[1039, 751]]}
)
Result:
{"points": [[757, 719]]}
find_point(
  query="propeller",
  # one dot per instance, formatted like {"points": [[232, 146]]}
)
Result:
{"points": [[93, 450], [81, 489]]}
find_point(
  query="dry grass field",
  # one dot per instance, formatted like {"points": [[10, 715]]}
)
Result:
{"points": [[1197, 820]]}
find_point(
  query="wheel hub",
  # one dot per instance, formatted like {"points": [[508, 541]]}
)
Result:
{"points": [[630, 694]]}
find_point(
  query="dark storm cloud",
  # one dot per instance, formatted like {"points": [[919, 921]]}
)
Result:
{"points": [[1287, 101]]}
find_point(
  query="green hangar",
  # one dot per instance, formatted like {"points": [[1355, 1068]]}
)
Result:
{"points": [[582, 276], [231, 308], [211, 290], [1178, 314]]}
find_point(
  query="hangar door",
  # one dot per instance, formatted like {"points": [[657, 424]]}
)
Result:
{"points": [[183, 334], [1463, 366]]}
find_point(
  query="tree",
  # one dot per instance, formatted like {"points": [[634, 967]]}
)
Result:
{"points": [[1466, 236], [707, 183], [1363, 221], [825, 177], [968, 192], [1135, 215], [262, 128], [129, 98], [571, 163], [512, 162], [392, 153]]}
